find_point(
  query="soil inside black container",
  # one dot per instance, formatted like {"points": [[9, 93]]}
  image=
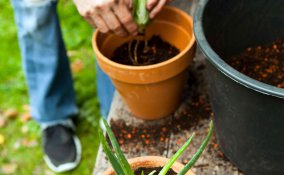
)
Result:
{"points": [[154, 51], [149, 170], [263, 63]]}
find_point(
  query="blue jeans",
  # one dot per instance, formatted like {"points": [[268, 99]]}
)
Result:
{"points": [[46, 64]]}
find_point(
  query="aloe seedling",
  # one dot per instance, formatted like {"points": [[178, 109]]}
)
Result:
{"points": [[196, 155], [140, 15], [117, 160], [122, 167]]}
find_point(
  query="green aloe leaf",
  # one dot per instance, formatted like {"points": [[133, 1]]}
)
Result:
{"points": [[120, 156], [134, 5], [140, 13], [113, 160], [176, 156], [199, 151], [152, 173]]}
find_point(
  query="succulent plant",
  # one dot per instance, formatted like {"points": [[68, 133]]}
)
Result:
{"points": [[121, 165], [140, 14]]}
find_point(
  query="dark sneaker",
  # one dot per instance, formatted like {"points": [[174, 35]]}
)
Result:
{"points": [[62, 148]]}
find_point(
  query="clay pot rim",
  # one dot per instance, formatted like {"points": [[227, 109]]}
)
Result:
{"points": [[157, 161], [173, 59]]}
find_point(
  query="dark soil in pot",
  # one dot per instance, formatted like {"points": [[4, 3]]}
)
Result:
{"points": [[153, 51], [149, 170], [263, 63]]}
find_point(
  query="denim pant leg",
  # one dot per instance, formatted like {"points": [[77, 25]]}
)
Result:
{"points": [[105, 91], [44, 60]]}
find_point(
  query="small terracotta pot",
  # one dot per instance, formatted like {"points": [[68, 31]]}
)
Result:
{"points": [[150, 161], [153, 91]]}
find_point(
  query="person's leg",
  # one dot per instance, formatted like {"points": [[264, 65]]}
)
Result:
{"points": [[45, 61], [105, 91], [49, 80]]}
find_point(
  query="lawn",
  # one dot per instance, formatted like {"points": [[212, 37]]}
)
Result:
{"points": [[21, 153]]}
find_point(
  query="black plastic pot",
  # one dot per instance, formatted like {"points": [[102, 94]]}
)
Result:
{"points": [[249, 115]]}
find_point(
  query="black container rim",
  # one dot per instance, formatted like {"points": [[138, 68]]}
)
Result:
{"points": [[221, 65]]}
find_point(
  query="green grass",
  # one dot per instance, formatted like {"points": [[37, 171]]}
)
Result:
{"points": [[13, 94]]}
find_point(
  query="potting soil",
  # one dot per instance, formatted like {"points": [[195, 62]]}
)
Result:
{"points": [[263, 63], [158, 51]]}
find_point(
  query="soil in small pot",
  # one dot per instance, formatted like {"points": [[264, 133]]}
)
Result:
{"points": [[153, 51], [149, 170], [263, 63]]}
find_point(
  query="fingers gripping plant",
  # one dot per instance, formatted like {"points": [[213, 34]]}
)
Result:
{"points": [[140, 15], [122, 167]]}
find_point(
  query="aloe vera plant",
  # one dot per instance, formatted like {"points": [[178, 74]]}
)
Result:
{"points": [[122, 167], [140, 15]]}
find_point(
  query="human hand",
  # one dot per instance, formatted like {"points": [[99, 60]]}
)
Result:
{"points": [[155, 6], [108, 15]]}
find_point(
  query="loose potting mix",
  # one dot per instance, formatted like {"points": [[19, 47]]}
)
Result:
{"points": [[140, 52], [263, 63]]}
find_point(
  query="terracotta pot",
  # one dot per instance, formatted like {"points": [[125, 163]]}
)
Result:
{"points": [[153, 91], [150, 161]]}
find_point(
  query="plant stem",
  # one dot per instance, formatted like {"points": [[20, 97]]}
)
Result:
{"points": [[141, 37], [146, 48], [135, 51], [130, 54]]}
